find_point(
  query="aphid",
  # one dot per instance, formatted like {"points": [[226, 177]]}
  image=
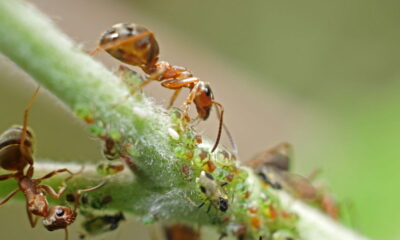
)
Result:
{"points": [[273, 165], [214, 192], [110, 149], [107, 168], [95, 225], [16, 152], [136, 45], [181, 232]]}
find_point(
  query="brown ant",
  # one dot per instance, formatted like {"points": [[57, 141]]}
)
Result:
{"points": [[16, 152], [273, 168], [136, 45]]}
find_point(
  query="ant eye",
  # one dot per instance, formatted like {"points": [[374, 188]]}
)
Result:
{"points": [[208, 91], [59, 212]]}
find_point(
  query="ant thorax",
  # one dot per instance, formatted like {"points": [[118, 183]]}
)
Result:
{"points": [[37, 204]]}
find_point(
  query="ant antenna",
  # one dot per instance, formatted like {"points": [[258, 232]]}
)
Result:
{"points": [[228, 133], [81, 191], [25, 126], [66, 233], [221, 121]]}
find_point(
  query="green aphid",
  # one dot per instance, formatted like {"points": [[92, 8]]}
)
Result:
{"points": [[220, 173], [181, 152], [133, 150], [148, 220], [83, 112], [100, 203], [114, 134], [97, 129], [107, 168], [201, 156], [224, 159]]}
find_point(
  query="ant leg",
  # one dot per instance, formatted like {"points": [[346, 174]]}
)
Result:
{"points": [[25, 126], [30, 171], [179, 84], [52, 192], [49, 189], [32, 221], [9, 196], [93, 52], [209, 208], [6, 176], [173, 98], [190, 98], [313, 174], [144, 83], [221, 121], [55, 172]]}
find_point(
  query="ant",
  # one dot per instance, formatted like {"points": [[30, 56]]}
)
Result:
{"points": [[16, 152], [273, 168], [136, 45]]}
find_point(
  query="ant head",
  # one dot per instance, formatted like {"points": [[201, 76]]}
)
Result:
{"points": [[59, 217], [132, 44], [204, 100]]}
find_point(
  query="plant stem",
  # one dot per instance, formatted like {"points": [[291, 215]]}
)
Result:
{"points": [[144, 134]]}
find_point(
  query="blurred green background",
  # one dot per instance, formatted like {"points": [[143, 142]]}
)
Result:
{"points": [[322, 75]]}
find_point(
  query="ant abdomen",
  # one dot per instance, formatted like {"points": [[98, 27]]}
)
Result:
{"points": [[10, 148], [131, 43]]}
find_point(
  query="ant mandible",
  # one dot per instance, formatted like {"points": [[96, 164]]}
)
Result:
{"points": [[16, 152], [136, 45]]}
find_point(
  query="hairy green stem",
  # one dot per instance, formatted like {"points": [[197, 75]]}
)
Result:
{"points": [[157, 145]]}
